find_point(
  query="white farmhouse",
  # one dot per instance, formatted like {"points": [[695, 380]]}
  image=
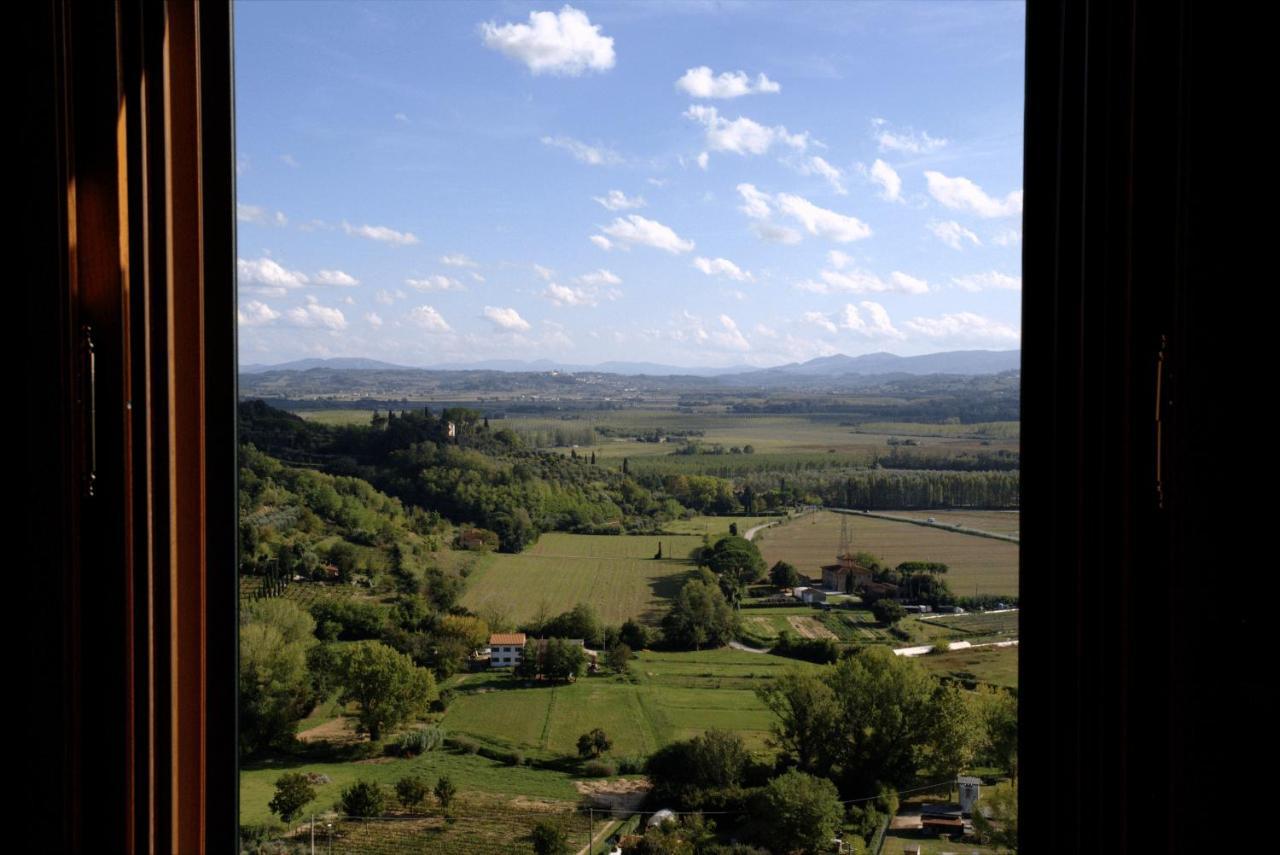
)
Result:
{"points": [[506, 649]]}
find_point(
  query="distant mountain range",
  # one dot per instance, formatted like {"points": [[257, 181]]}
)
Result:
{"points": [[961, 362]]}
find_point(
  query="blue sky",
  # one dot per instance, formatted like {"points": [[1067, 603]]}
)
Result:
{"points": [[700, 184]]}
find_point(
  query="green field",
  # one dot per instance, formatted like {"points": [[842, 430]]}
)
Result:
{"points": [[930, 844], [996, 522], [995, 665], [673, 696], [472, 828], [470, 772], [718, 526], [767, 434], [616, 574], [978, 565]]}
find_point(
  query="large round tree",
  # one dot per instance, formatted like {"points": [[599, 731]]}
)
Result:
{"points": [[389, 688]]}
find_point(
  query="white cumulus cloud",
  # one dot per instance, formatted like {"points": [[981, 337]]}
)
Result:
{"points": [[564, 42], [742, 135], [905, 140], [884, 175], [953, 234], [702, 82], [267, 276], [637, 230], [507, 319], [373, 319], [563, 295], [436, 282], [427, 318], [963, 195], [965, 328], [589, 154], [867, 319], [255, 313], [616, 200], [817, 166], [755, 204], [600, 277], [723, 267], [822, 222], [381, 233], [863, 282], [457, 259], [336, 277], [602, 242], [314, 315], [991, 281]]}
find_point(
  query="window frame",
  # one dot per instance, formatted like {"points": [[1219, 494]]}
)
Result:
{"points": [[1118, 245]]}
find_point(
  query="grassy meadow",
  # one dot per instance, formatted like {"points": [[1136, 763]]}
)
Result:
{"points": [[995, 665], [996, 522], [616, 574], [977, 564], [669, 696]]}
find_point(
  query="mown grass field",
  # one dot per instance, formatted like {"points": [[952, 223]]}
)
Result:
{"points": [[470, 772], [616, 574], [717, 527], [767, 434], [930, 844], [671, 696], [478, 827], [996, 522], [995, 665], [979, 565]]}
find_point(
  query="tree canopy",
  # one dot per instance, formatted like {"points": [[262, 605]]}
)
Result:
{"points": [[699, 616], [389, 688]]}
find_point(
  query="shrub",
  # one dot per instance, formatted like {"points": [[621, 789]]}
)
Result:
{"points": [[465, 744], [411, 790], [363, 798], [293, 792], [445, 790], [599, 769], [633, 765], [418, 741], [515, 758], [549, 839]]}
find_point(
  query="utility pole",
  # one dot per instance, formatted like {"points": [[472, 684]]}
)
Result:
{"points": [[591, 830], [313, 834]]}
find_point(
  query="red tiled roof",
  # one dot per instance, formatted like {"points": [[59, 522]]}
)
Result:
{"points": [[506, 638]]}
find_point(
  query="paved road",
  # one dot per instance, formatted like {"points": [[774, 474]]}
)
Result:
{"points": [[751, 532], [738, 645]]}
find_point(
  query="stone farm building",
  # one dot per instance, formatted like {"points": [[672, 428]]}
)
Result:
{"points": [[846, 575]]}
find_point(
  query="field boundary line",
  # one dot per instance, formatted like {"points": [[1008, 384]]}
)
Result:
{"points": [[546, 721], [1008, 538]]}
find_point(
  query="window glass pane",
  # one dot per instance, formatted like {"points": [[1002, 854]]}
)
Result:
{"points": [[665, 356]]}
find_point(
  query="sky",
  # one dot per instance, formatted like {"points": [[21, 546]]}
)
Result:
{"points": [[689, 183]]}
